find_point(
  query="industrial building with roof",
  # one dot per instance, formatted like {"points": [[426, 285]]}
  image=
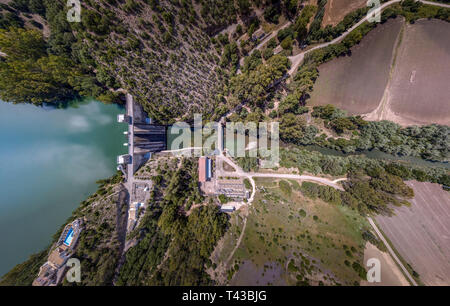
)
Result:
{"points": [[204, 169]]}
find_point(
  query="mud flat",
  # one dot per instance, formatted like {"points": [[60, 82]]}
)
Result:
{"points": [[419, 90], [421, 233], [357, 83], [390, 273], [335, 10]]}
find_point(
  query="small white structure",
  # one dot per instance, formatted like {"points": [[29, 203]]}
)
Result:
{"points": [[126, 144], [227, 208], [124, 159], [134, 211], [122, 118]]}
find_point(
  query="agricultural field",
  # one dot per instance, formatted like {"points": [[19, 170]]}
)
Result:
{"points": [[288, 239], [419, 90], [421, 233], [357, 83], [335, 10]]}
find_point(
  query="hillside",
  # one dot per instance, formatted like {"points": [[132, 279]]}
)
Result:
{"points": [[254, 60], [162, 52]]}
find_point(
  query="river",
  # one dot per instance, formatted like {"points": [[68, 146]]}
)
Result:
{"points": [[50, 159], [376, 154]]}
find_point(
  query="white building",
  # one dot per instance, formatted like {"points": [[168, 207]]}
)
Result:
{"points": [[227, 208], [124, 159]]}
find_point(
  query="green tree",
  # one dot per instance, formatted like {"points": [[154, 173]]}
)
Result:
{"points": [[20, 44], [291, 128]]}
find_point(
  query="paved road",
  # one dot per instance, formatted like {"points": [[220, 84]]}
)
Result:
{"points": [[130, 167], [298, 59], [394, 256]]}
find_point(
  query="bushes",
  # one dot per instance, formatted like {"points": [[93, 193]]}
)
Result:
{"points": [[248, 163], [230, 56], [286, 44], [292, 104], [223, 199], [267, 53], [317, 163], [10, 19], [285, 33], [29, 75], [247, 184], [285, 187], [325, 193], [376, 194], [20, 44], [166, 230], [252, 86], [429, 142], [24, 274], [252, 62], [314, 29], [272, 12], [367, 195], [301, 23]]}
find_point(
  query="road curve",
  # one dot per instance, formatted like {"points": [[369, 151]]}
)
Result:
{"points": [[298, 59], [266, 40]]}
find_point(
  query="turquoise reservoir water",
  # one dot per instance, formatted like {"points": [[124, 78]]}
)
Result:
{"points": [[50, 160]]}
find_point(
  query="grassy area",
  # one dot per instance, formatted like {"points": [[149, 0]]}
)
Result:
{"points": [[309, 241]]}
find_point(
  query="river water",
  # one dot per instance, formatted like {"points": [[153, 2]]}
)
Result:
{"points": [[376, 154], [50, 160]]}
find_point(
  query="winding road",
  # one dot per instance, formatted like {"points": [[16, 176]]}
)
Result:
{"points": [[298, 59], [265, 41], [239, 172]]}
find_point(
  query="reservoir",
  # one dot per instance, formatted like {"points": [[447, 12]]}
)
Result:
{"points": [[50, 159]]}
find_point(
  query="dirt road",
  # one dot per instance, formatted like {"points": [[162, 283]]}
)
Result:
{"points": [[298, 59]]}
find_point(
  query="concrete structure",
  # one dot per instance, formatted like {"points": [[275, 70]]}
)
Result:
{"points": [[259, 34], [122, 169], [133, 215], [123, 118], [124, 159], [144, 139], [234, 189], [202, 169], [73, 228], [52, 272], [143, 136], [208, 169], [150, 138], [227, 208]]}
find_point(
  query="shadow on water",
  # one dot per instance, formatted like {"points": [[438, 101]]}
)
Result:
{"points": [[75, 103]]}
